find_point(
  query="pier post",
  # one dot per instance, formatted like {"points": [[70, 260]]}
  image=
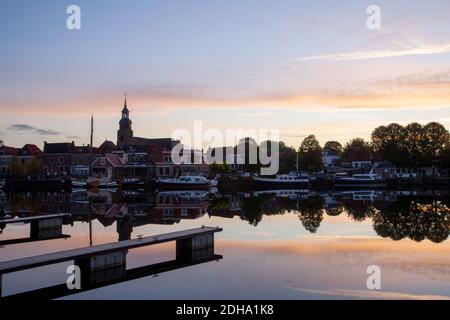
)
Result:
{"points": [[195, 248], [46, 228], [102, 268]]}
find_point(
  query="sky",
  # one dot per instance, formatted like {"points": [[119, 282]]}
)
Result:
{"points": [[303, 67]]}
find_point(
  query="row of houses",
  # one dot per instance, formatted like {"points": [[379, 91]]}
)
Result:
{"points": [[333, 162], [69, 160]]}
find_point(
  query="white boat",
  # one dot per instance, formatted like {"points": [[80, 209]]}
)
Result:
{"points": [[184, 182], [79, 183], [292, 194], [282, 180], [186, 194], [132, 182], [360, 180]]}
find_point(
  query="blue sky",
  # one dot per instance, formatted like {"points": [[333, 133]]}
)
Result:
{"points": [[300, 66]]}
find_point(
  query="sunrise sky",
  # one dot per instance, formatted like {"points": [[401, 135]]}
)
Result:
{"points": [[302, 67]]}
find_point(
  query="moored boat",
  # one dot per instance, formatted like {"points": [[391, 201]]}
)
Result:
{"points": [[282, 181], [184, 182], [365, 180]]}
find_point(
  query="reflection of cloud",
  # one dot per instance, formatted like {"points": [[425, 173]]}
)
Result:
{"points": [[261, 233], [31, 129], [374, 294], [364, 55], [424, 258], [260, 114]]}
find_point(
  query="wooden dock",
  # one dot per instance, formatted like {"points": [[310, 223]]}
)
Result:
{"points": [[34, 218], [83, 253], [61, 290]]}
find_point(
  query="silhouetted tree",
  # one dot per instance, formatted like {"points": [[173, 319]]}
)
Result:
{"points": [[310, 154], [357, 149], [288, 158], [217, 168], [16, 168], [251, 161], [388, 144], [334, 146]]}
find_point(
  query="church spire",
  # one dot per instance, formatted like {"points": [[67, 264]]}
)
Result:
{"points": [[125, 111]]}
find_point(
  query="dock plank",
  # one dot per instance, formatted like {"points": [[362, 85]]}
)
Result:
{"points": [[34, 218], [62, 256]]}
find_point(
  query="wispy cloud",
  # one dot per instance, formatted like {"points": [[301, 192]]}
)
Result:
{"points": [[364, 55], [30, 129]]}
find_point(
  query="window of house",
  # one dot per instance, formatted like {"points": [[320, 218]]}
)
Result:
{"points": [[168, 212], [167, 171], [161, 171], [51, 160], [61, 160]]}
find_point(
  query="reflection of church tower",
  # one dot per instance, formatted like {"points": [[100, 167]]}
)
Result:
{"points": [[125, 134]]}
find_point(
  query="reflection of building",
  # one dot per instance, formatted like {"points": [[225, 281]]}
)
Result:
{"points": [[227, 206]]}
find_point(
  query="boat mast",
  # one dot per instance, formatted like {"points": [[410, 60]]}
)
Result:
{"points": [[90, 164]]}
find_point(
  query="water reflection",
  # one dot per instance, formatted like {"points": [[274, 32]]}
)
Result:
{"points": [[393, 214]]}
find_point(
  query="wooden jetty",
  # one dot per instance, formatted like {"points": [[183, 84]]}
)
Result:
{"points": [[34, 218], [192, 245]]}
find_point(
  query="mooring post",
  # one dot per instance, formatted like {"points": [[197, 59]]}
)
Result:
{"points": [[195, 248], [102, 267]]}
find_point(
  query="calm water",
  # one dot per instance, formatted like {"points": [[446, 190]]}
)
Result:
{"points": [[284, 245]]}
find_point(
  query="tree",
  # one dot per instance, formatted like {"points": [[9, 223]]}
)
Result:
{"points": [[33, 166], [413, 145], [16, 168], [288, 158], [310, 154], [357, 149], [250, 149], [435, 141], [1, 143], [388, 144], [334, 146], [219, 168]]}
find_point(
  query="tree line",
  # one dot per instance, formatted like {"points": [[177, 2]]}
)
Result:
{"points": [[413, 145]]}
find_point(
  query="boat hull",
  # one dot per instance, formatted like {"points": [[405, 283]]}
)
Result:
{"points": [[187, 186], [360, 184], [277, 185]]}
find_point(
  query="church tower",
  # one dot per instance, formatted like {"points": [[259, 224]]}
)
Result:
{"points": [[125, 133]]}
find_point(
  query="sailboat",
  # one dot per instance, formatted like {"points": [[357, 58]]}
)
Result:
{"points": [[92, 181]]}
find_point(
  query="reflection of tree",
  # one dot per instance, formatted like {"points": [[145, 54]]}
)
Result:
{"points": [[252, 209], [359, 210], [414, 220], [218, 204], [334, 211], [25, 201], [311, 213]]}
